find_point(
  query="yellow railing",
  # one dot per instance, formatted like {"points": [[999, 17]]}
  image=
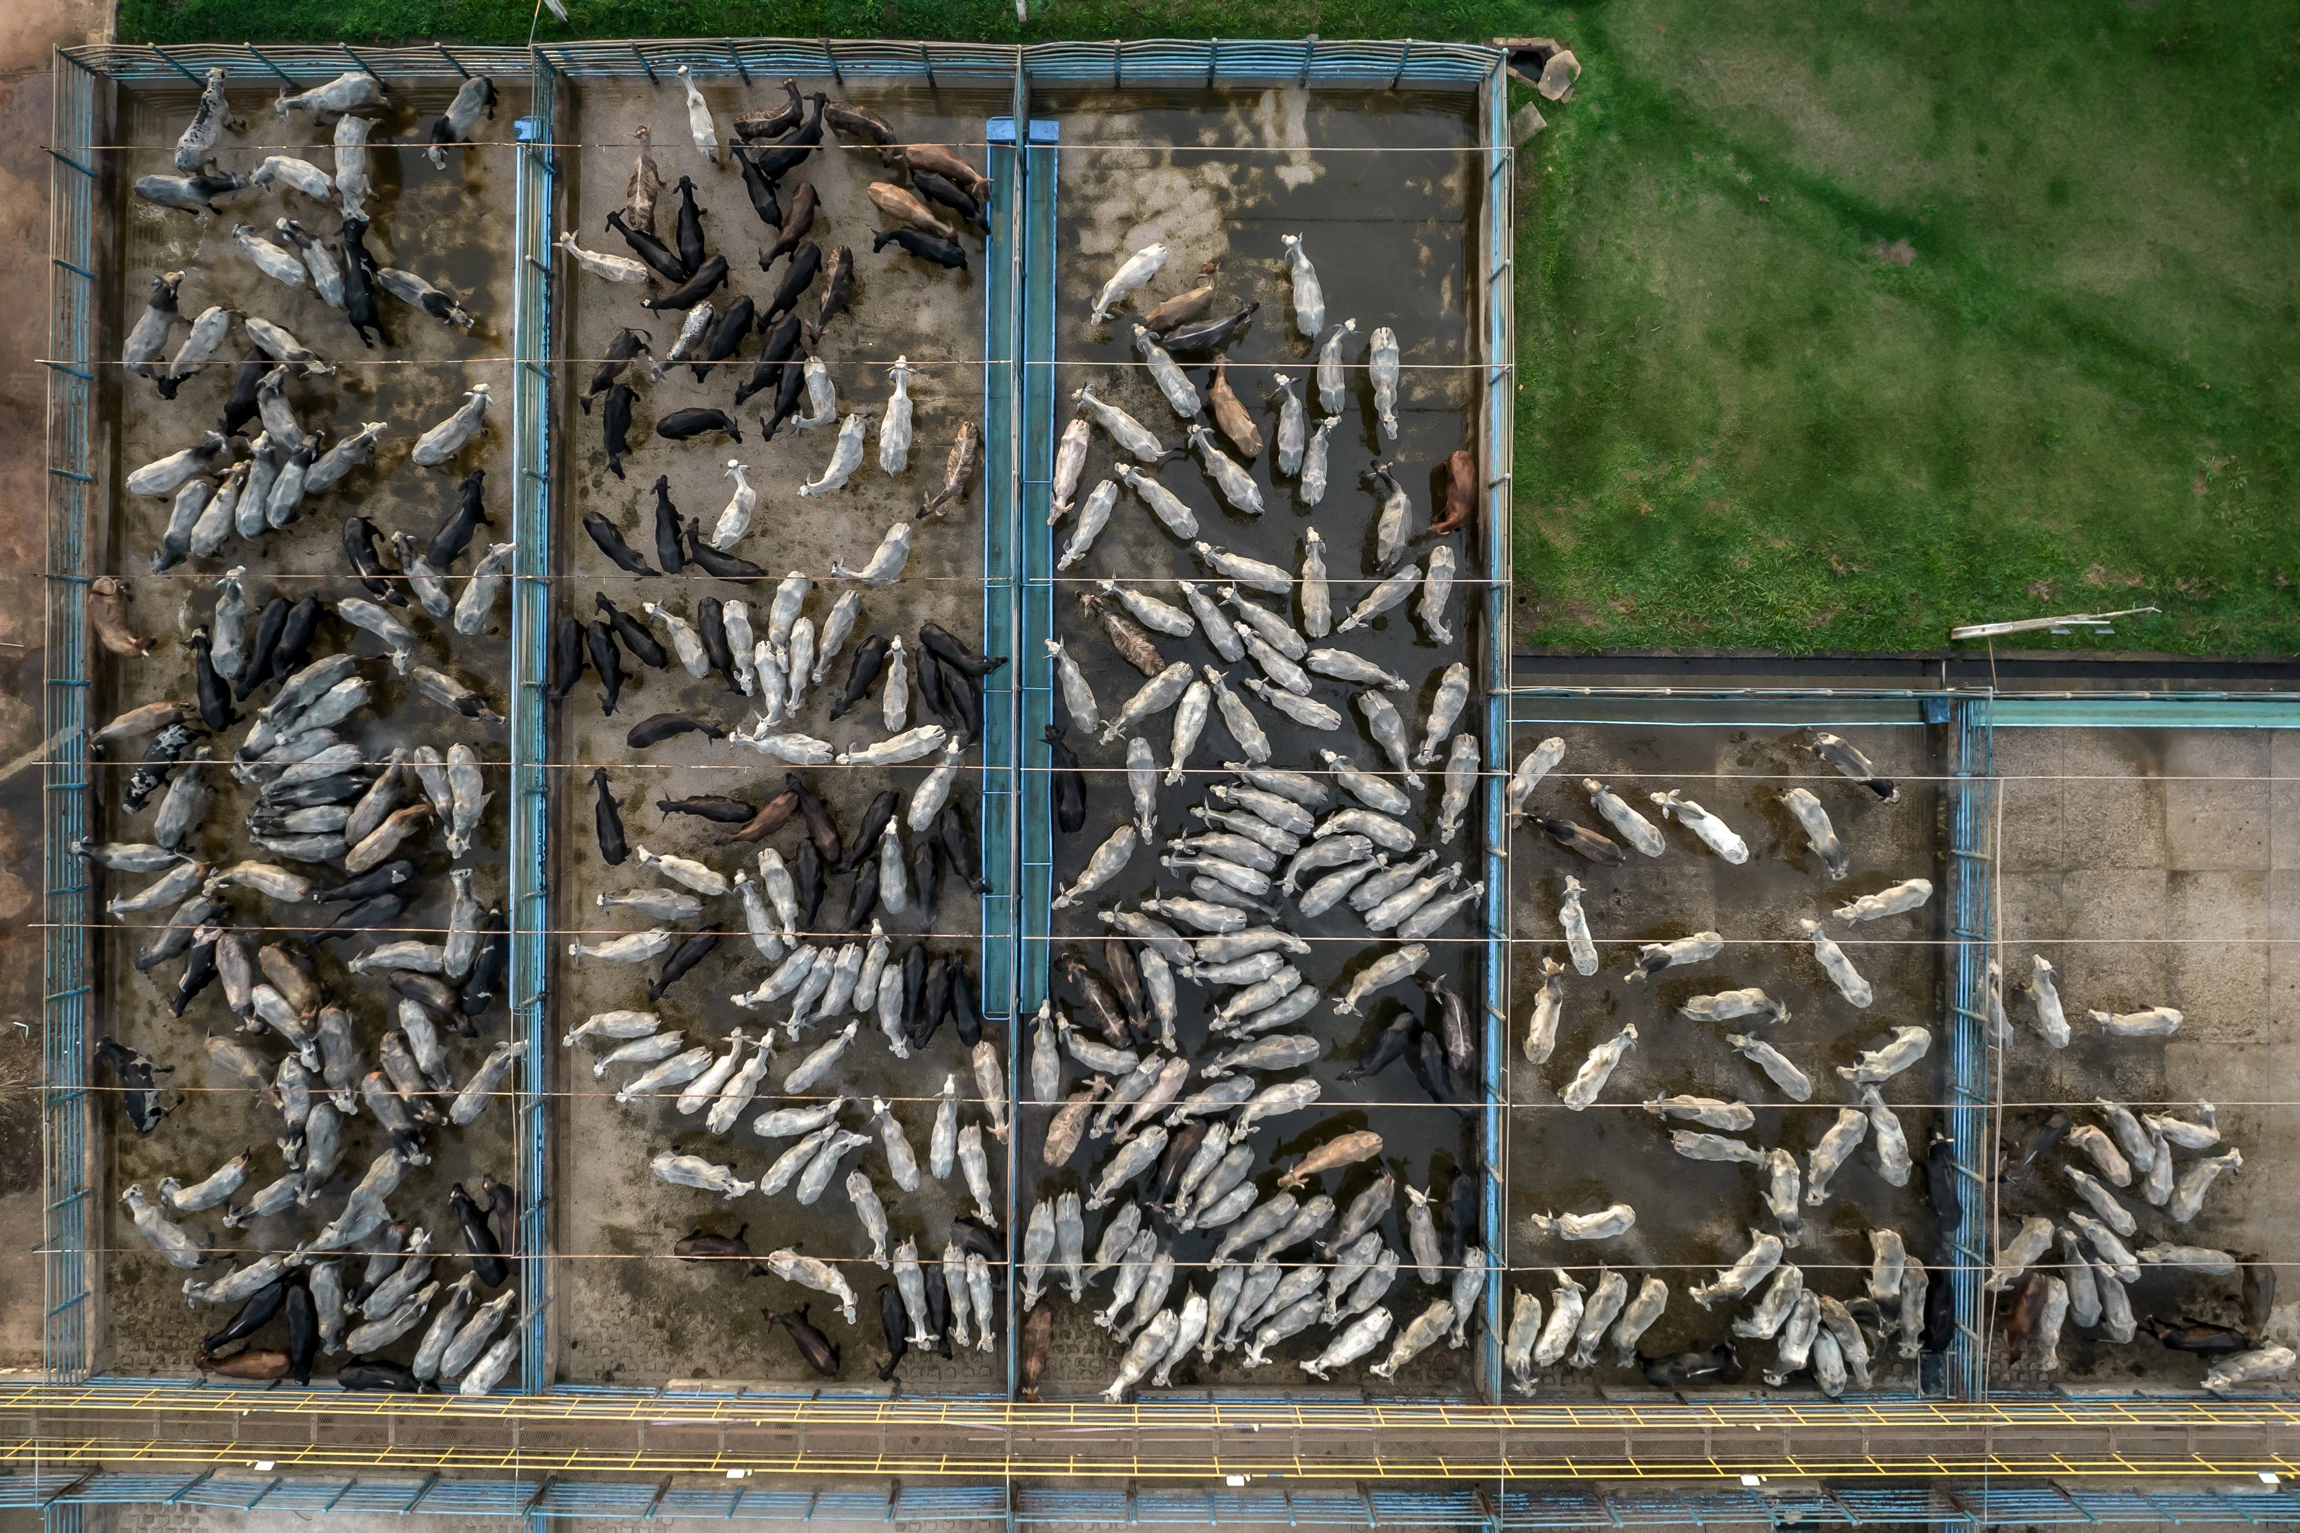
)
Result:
{"points": [[1170, 1441], [1104, 1460], [729, 1408]]}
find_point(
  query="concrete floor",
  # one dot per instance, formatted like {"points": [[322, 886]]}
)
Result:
{"points": [[422, 224], [1694, 1217], [1390, 236], [625, 1312], [29, 30], [2160, 868]]}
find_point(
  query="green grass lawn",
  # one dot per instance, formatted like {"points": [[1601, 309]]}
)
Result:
{"points": [[1838, 322]]}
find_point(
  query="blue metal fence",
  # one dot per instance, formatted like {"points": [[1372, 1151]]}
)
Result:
{"points": [[1308, 62], [66, 907], [1386, 64], [1003, 798], [531, 396], [292, 67], [1497, 247], [1970, 910], [1033, 567], [1018, 838]]}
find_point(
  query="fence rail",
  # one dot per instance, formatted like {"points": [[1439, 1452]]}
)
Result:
{"points": [[1386, 64]]}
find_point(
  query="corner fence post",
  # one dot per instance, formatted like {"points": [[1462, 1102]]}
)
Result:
{"points": [[66, 905], [530, 645]]}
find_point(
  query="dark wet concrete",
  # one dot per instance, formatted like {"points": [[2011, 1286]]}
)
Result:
{"points": [[1391, 238], [424, 220], [2154, 867], [625, 1311], [1694, 1217]]}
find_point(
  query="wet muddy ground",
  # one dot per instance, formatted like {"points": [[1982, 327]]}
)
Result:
{"points": [[1389, 235], [2154, 868], [625, 1312], [423, 221], [1695, 1217]]}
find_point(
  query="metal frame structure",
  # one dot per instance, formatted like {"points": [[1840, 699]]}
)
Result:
{"points": [[1016, 828]]}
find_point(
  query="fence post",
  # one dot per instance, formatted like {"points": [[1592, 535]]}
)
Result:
{"points": [[177, 64], [362, 63], [265, 60]]}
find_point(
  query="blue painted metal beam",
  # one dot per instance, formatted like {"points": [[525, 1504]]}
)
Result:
{"points": [[530, 909], [996, 809], [1971, 893], [1496, 432]]}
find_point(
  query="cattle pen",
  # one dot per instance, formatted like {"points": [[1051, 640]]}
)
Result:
{"points": [[1960, 1438]]}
